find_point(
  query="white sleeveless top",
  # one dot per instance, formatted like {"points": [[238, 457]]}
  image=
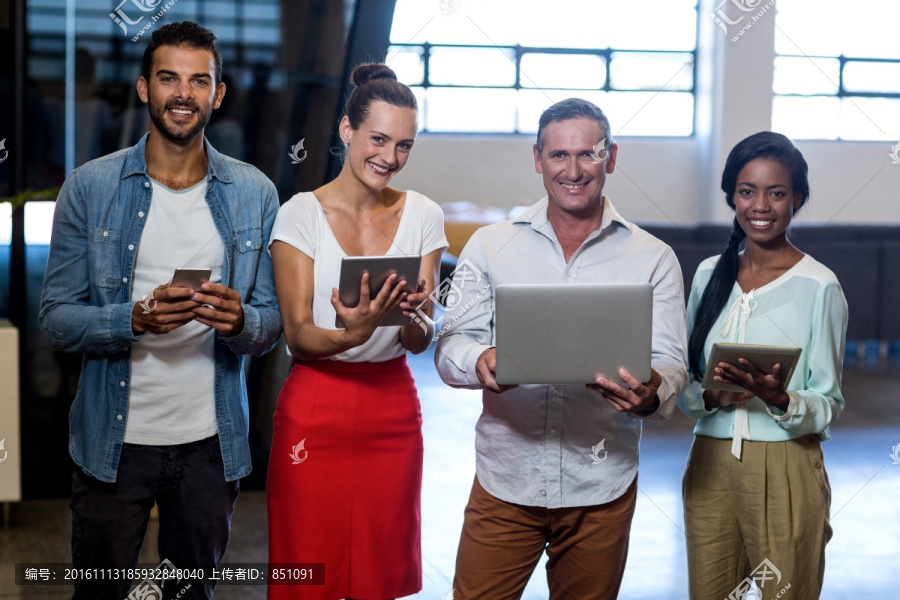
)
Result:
{"points": [[301, 223]]}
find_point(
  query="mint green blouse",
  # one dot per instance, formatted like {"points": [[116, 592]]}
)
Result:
{"points": [[804, 307]]}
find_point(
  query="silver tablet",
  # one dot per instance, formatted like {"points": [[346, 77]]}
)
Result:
{"points": [[558, 333], [379, 269], [763, 358]]}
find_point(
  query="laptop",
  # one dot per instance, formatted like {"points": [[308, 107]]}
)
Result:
{"points": [[559, 333]]}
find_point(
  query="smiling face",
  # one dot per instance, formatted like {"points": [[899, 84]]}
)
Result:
{"points": [[181, 92], [573, 177], [380, 147], [765, 201]]}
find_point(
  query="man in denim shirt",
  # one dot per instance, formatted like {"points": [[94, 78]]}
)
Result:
{"points": [[161, 409]]}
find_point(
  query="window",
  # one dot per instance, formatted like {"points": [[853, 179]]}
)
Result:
{"points": [[837, 70], [493, 66]]}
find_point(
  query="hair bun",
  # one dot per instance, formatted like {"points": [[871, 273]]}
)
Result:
{"points": [[365, 73]]}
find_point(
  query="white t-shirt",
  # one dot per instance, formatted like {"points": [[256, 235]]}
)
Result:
{"points": [[172, 397], [301, 223]]}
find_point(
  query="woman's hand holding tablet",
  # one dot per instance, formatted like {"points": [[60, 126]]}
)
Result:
{"points": [[761, 371]]}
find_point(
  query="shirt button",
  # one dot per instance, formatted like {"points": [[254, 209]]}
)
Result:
{"points": [[131, 246], [121, 384], [119, 417], [146, 184], [552, 432], [105, 234], [248, 243], [817, 464], [141, 214], [124, 280], [543, 492], [556, 391]]}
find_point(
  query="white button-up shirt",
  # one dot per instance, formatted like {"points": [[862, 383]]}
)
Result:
{"points": [[559, 445]]}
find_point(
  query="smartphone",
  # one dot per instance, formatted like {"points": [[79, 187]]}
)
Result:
{"points": [[191, 278]]}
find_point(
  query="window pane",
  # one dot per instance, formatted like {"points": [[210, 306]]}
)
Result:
{"points": [[475, 110], [38, 222], [407, 63], [801, 75], [581, 71], [834, 27], [818, 28], [806, 118], [532, 103], [472, 66], [5, 224], [644, 70], [464, 22], [651, 25], [650, 113], [221, 10], [872, 77], [870, 119], [419, 92], [655, 35], [568, 24]]}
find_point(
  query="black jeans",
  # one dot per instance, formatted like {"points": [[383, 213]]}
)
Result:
{"points": [[109, 520]]}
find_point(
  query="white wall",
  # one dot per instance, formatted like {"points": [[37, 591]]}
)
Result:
{"points": [[676, 179]]}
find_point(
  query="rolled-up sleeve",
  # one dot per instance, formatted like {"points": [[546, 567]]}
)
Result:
{"points": [[467, 326], [669, 344]]}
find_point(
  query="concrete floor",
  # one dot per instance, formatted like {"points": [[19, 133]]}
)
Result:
{"points": [[863, 557]]}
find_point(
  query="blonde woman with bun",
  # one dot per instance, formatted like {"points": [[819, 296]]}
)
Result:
{"points": [[345, 470]]}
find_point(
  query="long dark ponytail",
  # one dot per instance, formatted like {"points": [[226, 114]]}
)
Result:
{"points": [[715, 296]]}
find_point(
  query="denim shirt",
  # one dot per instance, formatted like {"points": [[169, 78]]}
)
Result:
{"points": [[86, 301]]}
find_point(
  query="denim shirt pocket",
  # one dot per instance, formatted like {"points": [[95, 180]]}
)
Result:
{"points": [[104, 258], [247, 245]]}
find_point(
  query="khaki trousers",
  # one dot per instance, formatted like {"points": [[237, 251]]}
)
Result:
{"points": [[773, 504], [502, 542]]}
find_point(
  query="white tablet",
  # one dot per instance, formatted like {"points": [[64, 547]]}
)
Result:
{"points": [[763, 358], [379, 269], [573, 333]]}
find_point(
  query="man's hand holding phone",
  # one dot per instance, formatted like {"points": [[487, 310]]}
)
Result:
{"points": [[220, 308], [165, 309]]}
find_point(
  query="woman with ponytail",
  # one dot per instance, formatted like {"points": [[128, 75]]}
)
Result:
{"points": [[345, 469], [755, 487]]}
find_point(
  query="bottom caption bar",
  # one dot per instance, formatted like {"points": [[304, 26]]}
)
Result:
{"points": [[166, 573]]}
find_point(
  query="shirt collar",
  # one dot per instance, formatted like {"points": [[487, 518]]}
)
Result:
{"points": [[536, 216], [136, 161]]}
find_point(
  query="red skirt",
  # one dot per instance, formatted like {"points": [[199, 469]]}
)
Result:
{"points": [[345, 479]]}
